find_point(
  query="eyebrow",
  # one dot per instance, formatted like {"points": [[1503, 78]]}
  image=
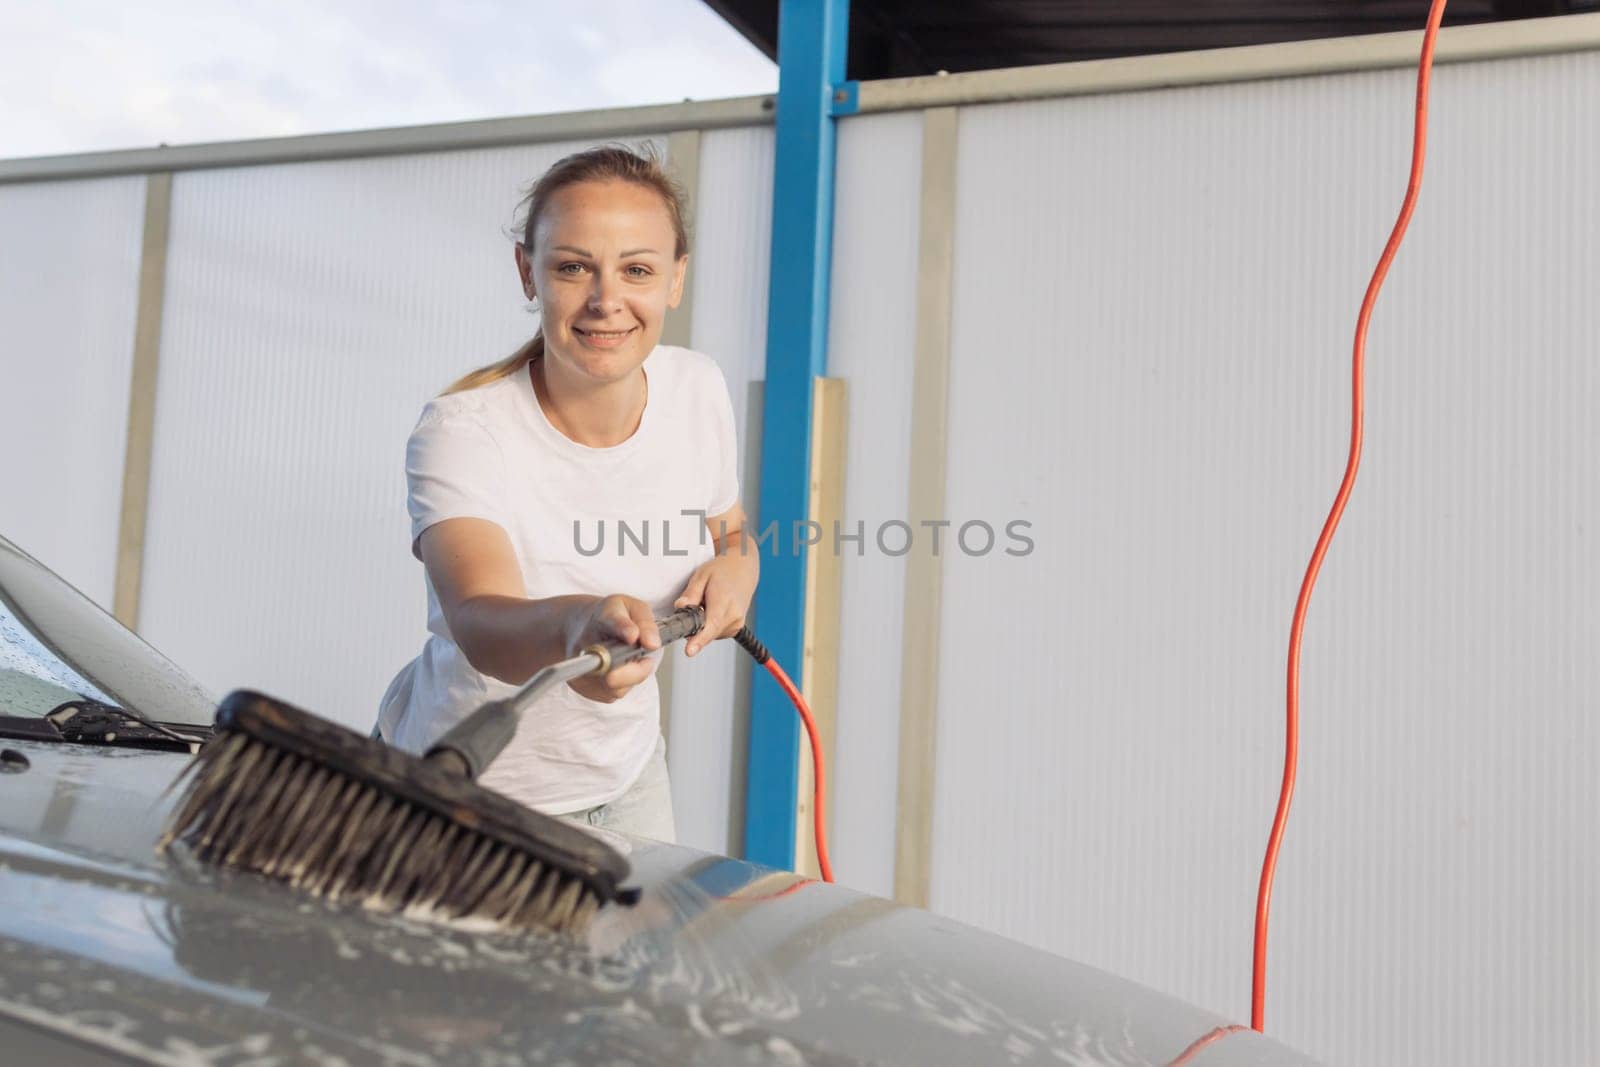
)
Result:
{"points": [[585, 252]]}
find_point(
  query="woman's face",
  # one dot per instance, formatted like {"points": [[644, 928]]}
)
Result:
{"points": [[603, 271]]}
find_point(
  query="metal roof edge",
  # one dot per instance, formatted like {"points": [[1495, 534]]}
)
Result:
{"points": [[1378, 51]]}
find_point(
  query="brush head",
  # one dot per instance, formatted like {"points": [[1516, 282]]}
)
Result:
{"points": [[286, 794]]}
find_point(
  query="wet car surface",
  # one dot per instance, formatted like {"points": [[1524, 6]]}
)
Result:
{"points": [[108, 949]]}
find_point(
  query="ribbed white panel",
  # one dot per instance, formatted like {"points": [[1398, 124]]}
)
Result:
{"points": [[871, 335], [311, 310], [732, 236], [1155, 298], [728, 269], [69, 289]]}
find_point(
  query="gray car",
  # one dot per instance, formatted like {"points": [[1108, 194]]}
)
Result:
{"points": [[110, 953]]}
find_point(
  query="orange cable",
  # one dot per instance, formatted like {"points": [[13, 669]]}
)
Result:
{"points": [[789, 890], [1200, 1043], [1292, 731], [820, 790]]}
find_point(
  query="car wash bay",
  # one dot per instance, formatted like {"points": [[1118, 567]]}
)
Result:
{"points": [[1113, 304]]}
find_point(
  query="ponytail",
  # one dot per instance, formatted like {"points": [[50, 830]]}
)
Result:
{"points": [[500, 369]]}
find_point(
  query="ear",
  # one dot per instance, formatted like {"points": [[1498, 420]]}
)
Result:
{"points": [[525, 272], [678, 270]]}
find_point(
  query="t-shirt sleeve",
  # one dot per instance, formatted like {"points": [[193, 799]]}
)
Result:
{"points": [[454, 470], [725, 491]]}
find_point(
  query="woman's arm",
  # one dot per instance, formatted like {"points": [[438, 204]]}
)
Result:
{"points": [[507, 636], [725, 584]]}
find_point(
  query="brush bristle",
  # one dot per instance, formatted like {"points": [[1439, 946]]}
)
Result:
{"points": [[252, 806]]}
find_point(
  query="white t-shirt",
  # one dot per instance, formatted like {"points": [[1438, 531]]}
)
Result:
{"points": [[627, 519]]}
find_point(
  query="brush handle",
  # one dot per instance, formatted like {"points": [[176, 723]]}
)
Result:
{"points": [[472, 744], [685, 622]]}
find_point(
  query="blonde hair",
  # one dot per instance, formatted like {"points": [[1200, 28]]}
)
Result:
{"points": [[606, 163]]}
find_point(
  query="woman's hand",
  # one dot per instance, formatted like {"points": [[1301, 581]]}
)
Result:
{"points": [[723, 586], [612, 619]]}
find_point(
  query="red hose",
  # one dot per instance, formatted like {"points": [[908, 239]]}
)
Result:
{"points": [[819, 791], [759, 652], [1200, 1043], [1292, 729]]}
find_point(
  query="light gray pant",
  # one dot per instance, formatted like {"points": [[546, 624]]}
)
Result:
{"points": [[645, 810]]}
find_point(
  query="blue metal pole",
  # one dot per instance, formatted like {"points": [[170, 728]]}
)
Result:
{"points": [[811, 55]]}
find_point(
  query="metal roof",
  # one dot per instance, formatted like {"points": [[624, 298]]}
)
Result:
{"points": [[902, 38]]}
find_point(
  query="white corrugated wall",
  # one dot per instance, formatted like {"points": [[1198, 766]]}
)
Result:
{"points": [[871, 334], [1155, 298], [732, 219], [69, 290]]}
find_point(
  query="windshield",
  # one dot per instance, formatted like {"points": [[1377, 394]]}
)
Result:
{"points": [[57, 645]]}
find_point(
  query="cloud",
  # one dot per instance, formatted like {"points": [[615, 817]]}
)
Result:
{"points": [[99, 76]]}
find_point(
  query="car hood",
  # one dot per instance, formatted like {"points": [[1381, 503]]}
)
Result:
{"points": [[105, 943]]}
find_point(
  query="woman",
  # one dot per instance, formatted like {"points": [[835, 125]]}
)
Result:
{"points": [[590, 435]]}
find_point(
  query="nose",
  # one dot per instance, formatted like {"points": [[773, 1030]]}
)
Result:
{"points": [[603, 297]]}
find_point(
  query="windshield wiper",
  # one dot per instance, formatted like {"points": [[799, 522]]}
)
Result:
{"points": [[86, 721]]}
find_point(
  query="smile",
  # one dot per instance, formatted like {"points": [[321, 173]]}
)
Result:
{"points": [[603, 338]]}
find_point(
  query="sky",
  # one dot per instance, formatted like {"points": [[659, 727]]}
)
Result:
{"points": [[90, 75]]}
